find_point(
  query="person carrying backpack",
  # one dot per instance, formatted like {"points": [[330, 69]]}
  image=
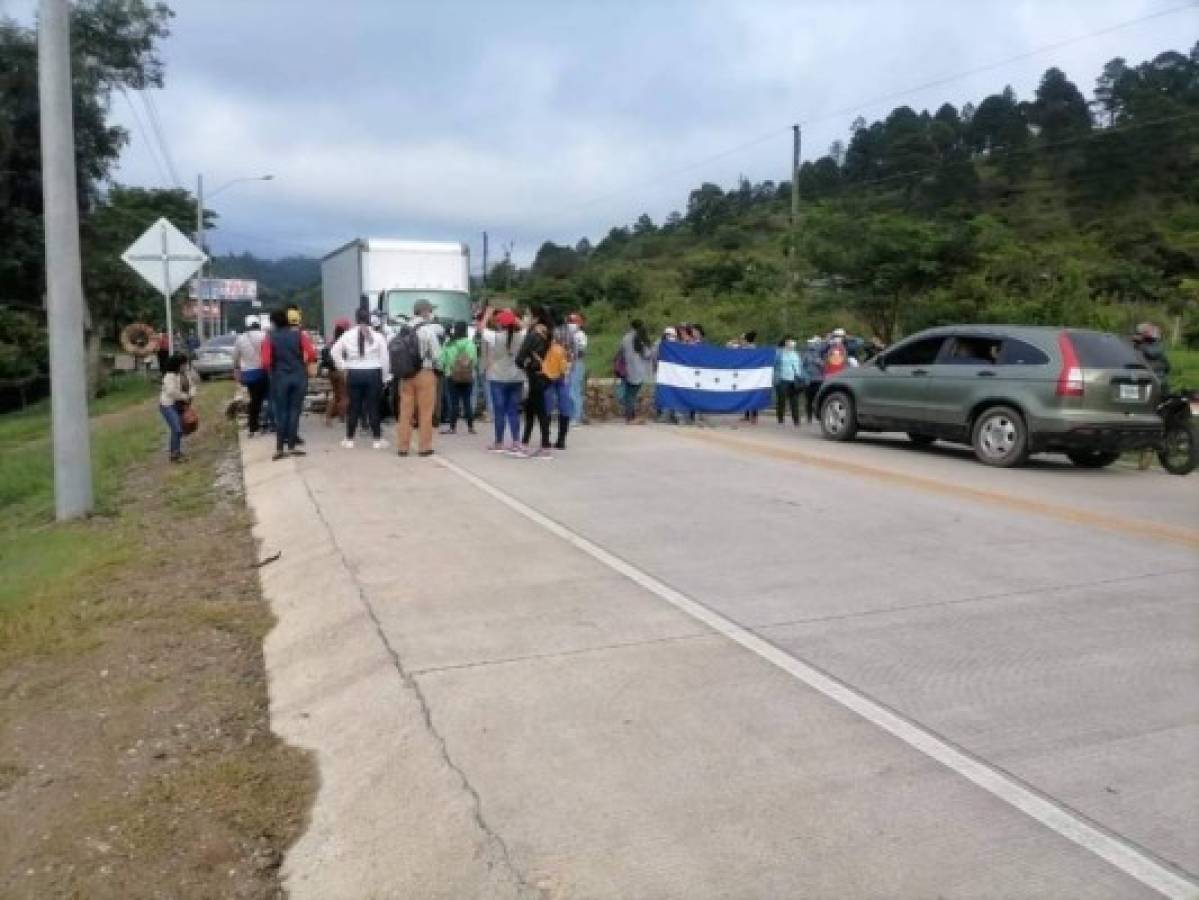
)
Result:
{"points": [[415, 353], [555, 366], [530, 358], [458, 361]]}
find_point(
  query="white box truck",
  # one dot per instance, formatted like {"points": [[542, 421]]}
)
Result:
{"points": [[390, 276]]}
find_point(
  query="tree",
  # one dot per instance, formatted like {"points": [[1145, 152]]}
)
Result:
{"points": [[623, 289], [1059, 110], [644, 225], [553, 261], [998, 127], [114, 44], [116, 294], [706, 208], [882, 259]]}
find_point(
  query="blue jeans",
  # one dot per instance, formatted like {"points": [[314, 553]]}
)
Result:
{"points": [[557, 398], [505, 401], [288, 393], [628, 399], [577, 378], [171, 416]]}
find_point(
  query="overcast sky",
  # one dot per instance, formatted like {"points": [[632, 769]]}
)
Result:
{"points": [[553, 119]]}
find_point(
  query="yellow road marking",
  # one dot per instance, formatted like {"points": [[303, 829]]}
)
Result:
{"points": [[1187, 537]]}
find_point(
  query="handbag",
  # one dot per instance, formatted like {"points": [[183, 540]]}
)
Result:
{"points": [[189, 419]]}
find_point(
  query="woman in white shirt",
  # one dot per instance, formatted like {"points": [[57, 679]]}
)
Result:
{"points": [[177, 392], [505, 380], [362, 354]]}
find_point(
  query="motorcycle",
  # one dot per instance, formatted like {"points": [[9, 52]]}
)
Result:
{"points": [[1178, 451]]}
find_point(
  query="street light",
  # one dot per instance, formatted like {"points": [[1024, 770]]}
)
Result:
{"points": [[200, 224]]}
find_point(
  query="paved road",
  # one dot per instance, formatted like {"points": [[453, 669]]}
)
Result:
{"points": [[718, 663]]}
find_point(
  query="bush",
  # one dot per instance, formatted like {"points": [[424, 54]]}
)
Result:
{"points": [[24, 352]]}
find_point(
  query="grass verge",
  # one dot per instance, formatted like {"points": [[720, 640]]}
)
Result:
{"points": [[136, 757]]}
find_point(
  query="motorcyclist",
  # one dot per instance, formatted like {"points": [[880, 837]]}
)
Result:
{"points": [[1147, 338]]}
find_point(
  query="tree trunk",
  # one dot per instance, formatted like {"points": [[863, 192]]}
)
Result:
{"points": [[91, 347]]}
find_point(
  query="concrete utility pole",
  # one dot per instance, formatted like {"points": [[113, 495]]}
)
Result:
{"points": [[200, 244], [64, 288], [484, 282], [793, 249], [795, 177]]}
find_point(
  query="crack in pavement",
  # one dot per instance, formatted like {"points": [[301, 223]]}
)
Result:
{"points": [[564, 654], [523, 887]]}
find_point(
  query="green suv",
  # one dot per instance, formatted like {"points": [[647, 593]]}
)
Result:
{"points": [[1008, 391]]}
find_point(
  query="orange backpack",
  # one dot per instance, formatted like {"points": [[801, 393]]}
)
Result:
{"points": [[555, 364]]}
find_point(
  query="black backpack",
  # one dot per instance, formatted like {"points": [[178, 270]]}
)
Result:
{"points": [[404, 350]]}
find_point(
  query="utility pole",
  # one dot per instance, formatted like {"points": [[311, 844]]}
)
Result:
{"points": [[200, 244], [484, 268], [64, 286], [793, 250]]}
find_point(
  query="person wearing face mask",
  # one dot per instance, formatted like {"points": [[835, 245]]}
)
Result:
{"points": [[788, 380]]}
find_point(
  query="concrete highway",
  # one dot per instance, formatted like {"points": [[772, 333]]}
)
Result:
{"points": [[744, 663]]}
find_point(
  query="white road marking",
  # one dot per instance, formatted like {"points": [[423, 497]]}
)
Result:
{"points": [[1124, 856]]}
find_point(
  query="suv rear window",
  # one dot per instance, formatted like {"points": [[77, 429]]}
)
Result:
{"points": [[1018, 353], [1097, 350]]}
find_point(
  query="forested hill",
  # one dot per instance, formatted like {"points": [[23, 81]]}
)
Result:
{"points": [[275, 277], [1049, 209]]}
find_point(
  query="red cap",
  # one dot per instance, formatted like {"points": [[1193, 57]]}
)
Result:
{"points": [[506, 318], [342, 323]]}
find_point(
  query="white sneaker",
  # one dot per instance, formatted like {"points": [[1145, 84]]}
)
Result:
{"points": [[380, 445], [347, 443]]}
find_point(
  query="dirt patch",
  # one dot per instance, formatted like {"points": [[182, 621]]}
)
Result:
{"points": [[136, 757]]}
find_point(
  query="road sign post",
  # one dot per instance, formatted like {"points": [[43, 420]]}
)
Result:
{"points": [[165, 258]]}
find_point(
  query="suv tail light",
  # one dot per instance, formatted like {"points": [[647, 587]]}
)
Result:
{"points": [[1069, 380]]}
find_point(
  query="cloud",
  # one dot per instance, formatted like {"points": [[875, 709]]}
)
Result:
{"points": [[535, 119]]}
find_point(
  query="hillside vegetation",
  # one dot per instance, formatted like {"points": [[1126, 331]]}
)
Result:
{"points": [[1054, 209]]}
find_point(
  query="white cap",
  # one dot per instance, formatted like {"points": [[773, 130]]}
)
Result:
{"points": [[838, 332]]}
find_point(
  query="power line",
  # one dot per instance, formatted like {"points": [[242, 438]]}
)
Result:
{"points": [[144, 132], [857, 107], [156, 124]]}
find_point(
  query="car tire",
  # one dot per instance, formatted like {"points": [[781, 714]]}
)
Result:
{"points": [[838, 418], [1092, 459], [921, 440], [1000, 437]]}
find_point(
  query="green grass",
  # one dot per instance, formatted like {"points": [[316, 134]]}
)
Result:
{"points": [[43, 562], [1184, 368], [26, 469]]}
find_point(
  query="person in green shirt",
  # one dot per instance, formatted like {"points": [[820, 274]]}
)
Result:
{"points": [[458, 360]]}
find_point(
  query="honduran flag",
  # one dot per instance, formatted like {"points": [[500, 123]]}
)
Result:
{"points": [[709, 379]]}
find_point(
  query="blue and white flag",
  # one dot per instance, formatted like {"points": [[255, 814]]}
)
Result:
{"points": [[708, 379]]}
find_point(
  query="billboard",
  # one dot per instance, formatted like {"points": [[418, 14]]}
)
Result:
{"points": [[224, 289]]}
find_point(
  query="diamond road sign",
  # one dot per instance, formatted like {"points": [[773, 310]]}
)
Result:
{"points": [[164, 257]]}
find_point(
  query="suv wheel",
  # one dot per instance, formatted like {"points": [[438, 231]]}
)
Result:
{"points": [[1092, 459], [1000, 437], [838, 419]]}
